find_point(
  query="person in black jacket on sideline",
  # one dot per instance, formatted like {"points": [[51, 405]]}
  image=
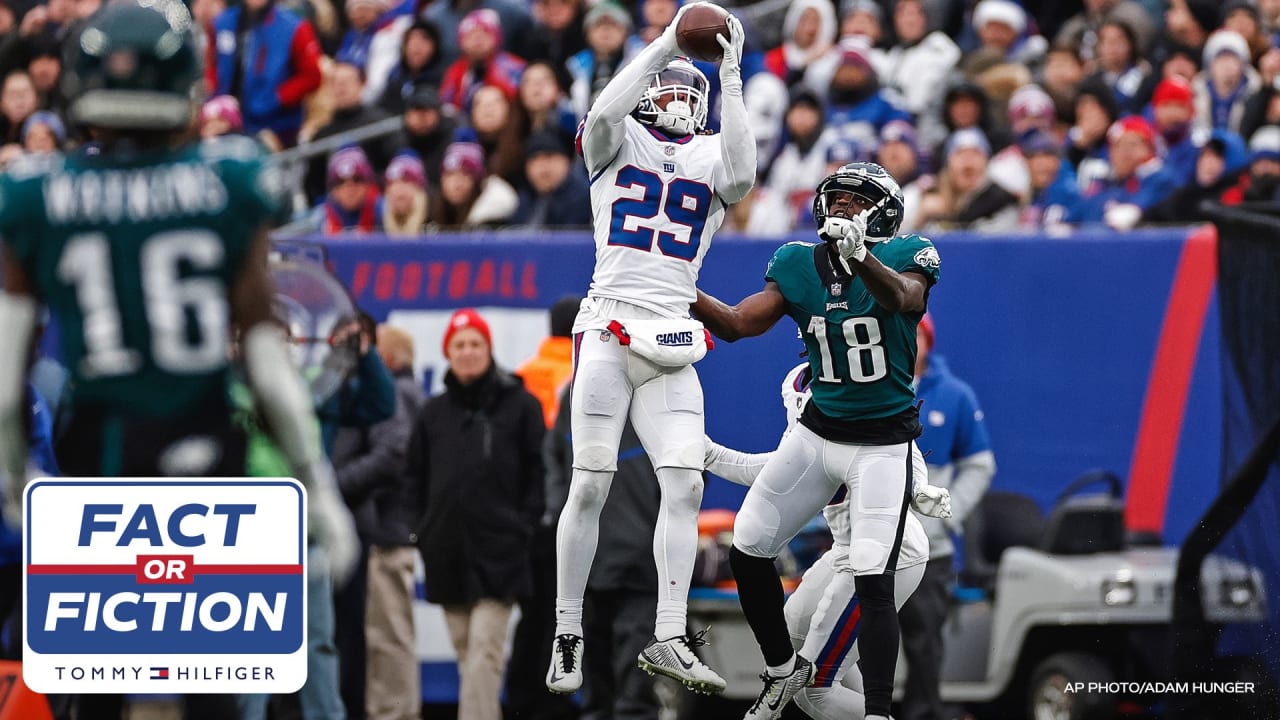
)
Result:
{"points": [[476, 475]]}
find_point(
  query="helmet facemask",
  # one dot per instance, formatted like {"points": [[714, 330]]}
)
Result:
{"points": [[867, 186], [676, 100]]}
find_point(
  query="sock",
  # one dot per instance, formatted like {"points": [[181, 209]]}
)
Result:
{"points": [[877, 641], [675, 547], [576, 539], [760, 594], [831, 703], [783, 669]]}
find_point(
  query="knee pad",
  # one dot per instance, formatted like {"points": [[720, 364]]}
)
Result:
{"points": [[867, 556], [690, 456], [595, 458], [751, 530]]}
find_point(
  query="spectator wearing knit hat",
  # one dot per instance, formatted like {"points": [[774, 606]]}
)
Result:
{"points": [[363, 18], [557, 194], [1172, 109], [863, 19], [268, 58], [1262, 184], [607, 26], [899, 151], [1225, 85], [808, 32], [1030, 110], [403, 206], [43, 132], [220, 116], [1137, 180], [513, 17], [419, 66], [915, 69], [1003, 31], [428, 130], [476, 478], [1052, 183], [351, 205], [468, 197], [483, 61]]}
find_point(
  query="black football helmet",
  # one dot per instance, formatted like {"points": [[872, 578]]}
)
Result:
{"points": [[871, 183], [135, 66]]}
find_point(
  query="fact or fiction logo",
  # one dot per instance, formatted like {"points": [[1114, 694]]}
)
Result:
{"points": [[164, 585]]}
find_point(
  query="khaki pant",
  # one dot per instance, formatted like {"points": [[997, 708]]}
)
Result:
{"points": [[393, 674], [479, 635]]}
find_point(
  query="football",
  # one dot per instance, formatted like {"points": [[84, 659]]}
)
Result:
{"points": [[698, 28]]}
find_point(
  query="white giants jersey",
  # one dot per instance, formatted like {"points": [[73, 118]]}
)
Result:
{"points": [[654, 210]]}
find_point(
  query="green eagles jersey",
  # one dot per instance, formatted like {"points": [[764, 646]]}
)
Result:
{"points": [[135, 257], [862, 356]]}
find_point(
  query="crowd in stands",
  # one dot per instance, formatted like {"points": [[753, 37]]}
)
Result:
{"points": [[992, 116]]}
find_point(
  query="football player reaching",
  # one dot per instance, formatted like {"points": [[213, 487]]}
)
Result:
{"points": [[856, 297], [659, 186]]}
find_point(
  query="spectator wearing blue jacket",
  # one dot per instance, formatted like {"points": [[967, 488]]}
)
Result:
{"points": [[854, 97], [268, 58], [1054, 192], [1137, 182], [958, 452]]}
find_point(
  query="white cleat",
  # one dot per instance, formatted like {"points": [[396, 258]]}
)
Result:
{"points": [[675, 659], [565, 674], [778, 691]]}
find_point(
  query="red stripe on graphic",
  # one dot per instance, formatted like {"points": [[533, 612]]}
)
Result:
{"points": [[838, 648], [1156, 445], [195, 569]]}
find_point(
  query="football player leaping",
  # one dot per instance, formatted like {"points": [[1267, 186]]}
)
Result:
{"points": [[857, 298], [659, 187]]}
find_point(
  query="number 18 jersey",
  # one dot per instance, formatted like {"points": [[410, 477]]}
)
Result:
{"points": [[654, 210], [135, 257], [861, 354]]}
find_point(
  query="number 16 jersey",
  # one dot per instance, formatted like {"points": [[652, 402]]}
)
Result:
{"points": [[135, 257], [654, 210]]}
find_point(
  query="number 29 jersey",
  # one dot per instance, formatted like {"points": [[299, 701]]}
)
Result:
{"points": [[654, 210], [135, 257], [861, 354]]}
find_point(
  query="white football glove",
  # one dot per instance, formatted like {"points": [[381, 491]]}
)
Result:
{"points": [[850, 235], [932, 501], [329, 521], [668, 37], [731, 63]]}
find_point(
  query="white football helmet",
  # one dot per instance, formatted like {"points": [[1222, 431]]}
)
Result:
{"points": [[795, 393], [686, 90]]}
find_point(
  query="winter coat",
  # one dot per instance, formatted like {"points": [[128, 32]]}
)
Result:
{"points": [[369, 463], [475, 474]]}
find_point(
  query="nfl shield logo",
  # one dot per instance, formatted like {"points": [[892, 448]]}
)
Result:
{"points": [[837, 288], [669, 150]]}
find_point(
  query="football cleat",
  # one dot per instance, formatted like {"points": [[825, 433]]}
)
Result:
{"points": [[675, 659], [565, 674], [778, 691]]}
